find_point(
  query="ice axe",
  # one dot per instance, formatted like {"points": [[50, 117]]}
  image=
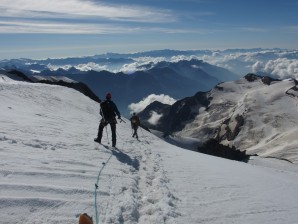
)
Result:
{"points": [[121, 120]]}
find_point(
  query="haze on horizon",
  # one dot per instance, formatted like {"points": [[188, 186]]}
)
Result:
{"points": [[41, 28]]}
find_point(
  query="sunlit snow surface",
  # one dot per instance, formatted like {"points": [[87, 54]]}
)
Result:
{"points": [[50, 164]]}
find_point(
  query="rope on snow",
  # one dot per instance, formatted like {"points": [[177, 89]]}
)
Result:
{"points": [[96, 187]]}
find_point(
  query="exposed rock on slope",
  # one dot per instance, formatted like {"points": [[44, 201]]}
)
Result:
{"points": [[53, 80]]}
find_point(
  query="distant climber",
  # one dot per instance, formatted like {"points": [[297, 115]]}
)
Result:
{"points": [[108, 111], [135, 123]]}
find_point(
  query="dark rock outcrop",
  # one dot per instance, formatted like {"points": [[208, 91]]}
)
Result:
{"points": [[265, 79], [225, 132], [79, 86], [155, 106], [15, 74], [182, 112], [214, 148], [146, 114], [251, 77]]}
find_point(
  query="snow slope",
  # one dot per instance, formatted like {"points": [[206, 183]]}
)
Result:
{"points": [[50, 164]]}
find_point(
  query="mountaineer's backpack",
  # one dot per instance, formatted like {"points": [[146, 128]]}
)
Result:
{"points": [[107, 110], [135, 121]]}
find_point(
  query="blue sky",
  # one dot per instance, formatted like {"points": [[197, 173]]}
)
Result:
{"points": [[61, 28]]}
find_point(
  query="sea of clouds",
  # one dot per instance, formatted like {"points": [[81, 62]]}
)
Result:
{"points": [[273, 62]]}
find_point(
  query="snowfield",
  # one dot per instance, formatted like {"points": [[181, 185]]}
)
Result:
{"points": [[50, 165]]}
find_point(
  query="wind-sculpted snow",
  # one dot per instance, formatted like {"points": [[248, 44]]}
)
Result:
{"points": [[50, 164]]}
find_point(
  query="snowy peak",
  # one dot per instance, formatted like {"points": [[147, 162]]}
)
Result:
{"points": [[257, 114]]}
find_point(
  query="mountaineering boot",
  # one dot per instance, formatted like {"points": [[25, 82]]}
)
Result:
{"points": [[97, 140]]}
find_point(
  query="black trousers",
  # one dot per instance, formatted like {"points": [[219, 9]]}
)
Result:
{"points": [[135, 128], [113, 129]]}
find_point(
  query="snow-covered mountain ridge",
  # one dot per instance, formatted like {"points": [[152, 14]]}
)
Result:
{"points": [[256, 114], [50, 164]]}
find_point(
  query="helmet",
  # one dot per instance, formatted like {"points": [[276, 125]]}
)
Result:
{"points": [[108, 96]]}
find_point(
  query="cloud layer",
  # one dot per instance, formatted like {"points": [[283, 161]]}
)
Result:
{"points": [[56, 16], [281, 68], [81, 8], [280, 63], [140, 106], [154, 118]]}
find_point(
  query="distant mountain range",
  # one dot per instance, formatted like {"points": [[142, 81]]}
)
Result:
{"points": [[275, 62], [257, 114], [176, 79]]}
